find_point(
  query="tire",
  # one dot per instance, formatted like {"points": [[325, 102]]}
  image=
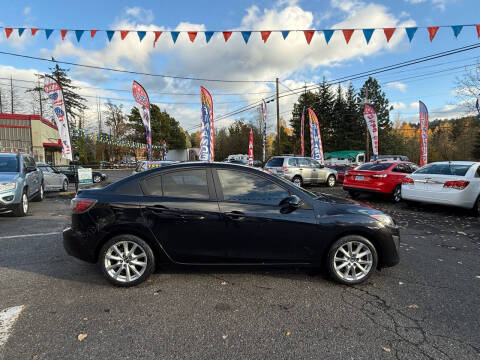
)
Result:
{"points": [[397, 194], [65, 185], [118, 265], [337, 260], [40, 194], [353, 194], [97, 179], [476, 207], [22, 208], [298, 181], [331, 181]]}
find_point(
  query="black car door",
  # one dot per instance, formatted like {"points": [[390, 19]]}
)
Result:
{"points": [[255, 228], [181, 210]]}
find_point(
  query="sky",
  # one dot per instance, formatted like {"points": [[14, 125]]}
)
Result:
{"points": [[292, 60]]}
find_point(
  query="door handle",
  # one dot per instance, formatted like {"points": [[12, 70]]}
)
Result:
{"points": [[157, 208], [235, 215]]}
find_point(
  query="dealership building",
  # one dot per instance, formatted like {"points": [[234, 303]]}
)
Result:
{"points": [[31, 134]]}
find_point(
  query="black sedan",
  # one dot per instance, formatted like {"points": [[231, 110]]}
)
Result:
{"points": [[71, 170], [219, 214]]}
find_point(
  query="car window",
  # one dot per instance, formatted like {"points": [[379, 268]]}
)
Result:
{"points": [[375, 166], [240, 186], [302, 162], [275, 162], [46, 169], [401, 168], [478, 172], [444, 169], [24, 162], [191, 184], [314, 163], [8, 164], [292, 162]]}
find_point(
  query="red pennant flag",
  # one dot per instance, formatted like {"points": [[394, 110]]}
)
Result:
{"points": [[432, 31], [347, 33], [192, 35], [8, 32], [388, 33], [33, 31], [157, 35], [265, 35], [123, 34], [308, 35], [478, 30], [92, 33], [226, 35], [63, 32]]}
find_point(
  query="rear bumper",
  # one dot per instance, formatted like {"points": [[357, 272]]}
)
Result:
{"points": [[365, 189], [462, 198], [78, 245]]}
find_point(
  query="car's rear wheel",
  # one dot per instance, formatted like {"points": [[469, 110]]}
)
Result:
{"points": [[65, 185], [352, 260], [397, 194], [40, 194], [126, 260], [22, 208], [476, 207], [331, 181], [297, 180]]}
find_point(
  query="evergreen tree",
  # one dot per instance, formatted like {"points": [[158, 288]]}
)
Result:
{"points": [[338, 121], [306, 100], [324, 112], [476, 147], [354, 123]]}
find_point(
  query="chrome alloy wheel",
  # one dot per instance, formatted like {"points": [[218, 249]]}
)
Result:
{"points": [[397, 194], [297, 182], [125, 261], [25, 203], [353, 261], [331, 181]]}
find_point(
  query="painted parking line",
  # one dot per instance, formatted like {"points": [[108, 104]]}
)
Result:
{"points": [[28, 235], [7, 319]]}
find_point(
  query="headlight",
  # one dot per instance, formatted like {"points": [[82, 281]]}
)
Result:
{"points": [[7, 186], [384, 219]]}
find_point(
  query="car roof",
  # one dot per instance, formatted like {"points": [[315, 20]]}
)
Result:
{"points": [[454, 162]]}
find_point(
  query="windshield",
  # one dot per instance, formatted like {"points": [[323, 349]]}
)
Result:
{"points": [[8, 163]]}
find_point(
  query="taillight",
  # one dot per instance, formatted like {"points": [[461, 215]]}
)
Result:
{"points": [[285, 169], [407, 180], [456, 184], [81, 205], [379, 176]]}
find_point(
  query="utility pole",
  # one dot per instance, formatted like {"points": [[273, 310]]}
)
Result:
{"points": [[40, 97], [278, 121], [11, 93]]}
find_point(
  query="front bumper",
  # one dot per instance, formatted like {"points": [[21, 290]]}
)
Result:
{"points": [[9, 199]]}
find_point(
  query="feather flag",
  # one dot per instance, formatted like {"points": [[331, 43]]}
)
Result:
{"points": [[315, 138], [423, 118], [302, 133], [372, 124], [141, 98], [207, 137], [250, 148]]}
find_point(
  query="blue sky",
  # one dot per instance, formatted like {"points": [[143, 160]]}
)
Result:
{"points": [[292, 60]]}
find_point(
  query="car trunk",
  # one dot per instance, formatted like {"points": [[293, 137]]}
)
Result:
{"points": [[363, 177]]}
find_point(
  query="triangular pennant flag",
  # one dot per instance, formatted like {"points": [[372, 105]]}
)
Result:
{"points": [[308, 35], [157, 35], [388, 33], [48, 32], [8, 32], [478, 30], [285, 34], [265, 35], [33, 31], [123, 34], [411, 32], [457, 29], [328, 35], [367, 33], [192, 35], [226, 35], [63, 32], [78, 34], [347, 34], [141, 35], [92, 33], [432, 31], [208, 35], [20, 31], [174, 35], [246, 36], [110, 34]]}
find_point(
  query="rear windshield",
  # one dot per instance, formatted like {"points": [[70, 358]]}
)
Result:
{"points": [[275, 162], [375, 166], [444, 169], [8, 163]]}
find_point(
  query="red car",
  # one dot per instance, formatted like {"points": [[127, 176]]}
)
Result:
{"points": [[341, 170], [381, 177]]}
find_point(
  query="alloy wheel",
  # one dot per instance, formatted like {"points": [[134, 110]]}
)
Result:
{"points": [[125, 261], [297, 182], [331, 181], [397, 194], [353, 261], [25, 203], [65, 185]]}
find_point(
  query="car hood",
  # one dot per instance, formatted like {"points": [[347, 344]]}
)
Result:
{"points": [[8, 177], [343, 205]]}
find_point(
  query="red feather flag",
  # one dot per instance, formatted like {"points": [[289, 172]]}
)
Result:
{"points": [[265, 35], [33, 31], [123, 34], [92, 33], [157, 35], [478, 30], [226, 35], [388, 33], [8, 32], [347, 33], [308, 35], [63, 32], [432, 31], [192, 35]]}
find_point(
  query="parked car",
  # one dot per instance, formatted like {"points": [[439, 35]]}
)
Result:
{"points": [[20, 182], [381, 177], [341, 170], [71, 170], [52, 178], [455, 183], [147, 165], [391, 158], [301, 170], [220, 213]]}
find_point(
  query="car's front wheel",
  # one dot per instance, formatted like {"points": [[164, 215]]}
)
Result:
{"points": [[40, 194], [65, 185], [22, 208], [126, 260], [331, 181], [352, 260], [476, 207]]}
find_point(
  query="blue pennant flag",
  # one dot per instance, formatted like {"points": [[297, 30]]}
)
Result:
{"points": [[174, 35], [457, 29], [285, 34], [328, 34], [368, 34], [411, 32], [246, 36], [78, 34], [141, 34], [48, 32], [208, 35], [20, 31], [110, 34]]}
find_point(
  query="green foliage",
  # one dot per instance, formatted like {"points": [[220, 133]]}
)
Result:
{"points": [[234, 140]]}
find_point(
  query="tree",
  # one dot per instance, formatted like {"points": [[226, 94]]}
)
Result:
{"points": [[476, 147], [115, 120], [305, 101], [468, 88], [338, 121], [354, 124]]}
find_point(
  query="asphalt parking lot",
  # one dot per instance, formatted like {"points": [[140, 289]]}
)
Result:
{"points": [[427, 307]]}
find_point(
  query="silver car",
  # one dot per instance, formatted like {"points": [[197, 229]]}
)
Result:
{"points": [[302, 170], [147, 165], [53, 179]]}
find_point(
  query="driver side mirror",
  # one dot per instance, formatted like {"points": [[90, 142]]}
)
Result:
{"points": [[31, 169], [290, 204]]}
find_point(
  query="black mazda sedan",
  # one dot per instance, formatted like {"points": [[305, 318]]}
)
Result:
{"points": [[219, 214]]}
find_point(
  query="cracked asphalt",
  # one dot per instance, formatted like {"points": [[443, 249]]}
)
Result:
{"points": [[427, 307]]}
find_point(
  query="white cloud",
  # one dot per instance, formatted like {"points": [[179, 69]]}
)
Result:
{"points": [[397, 85], [439, 4], [27, 10], [144, 15]]}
